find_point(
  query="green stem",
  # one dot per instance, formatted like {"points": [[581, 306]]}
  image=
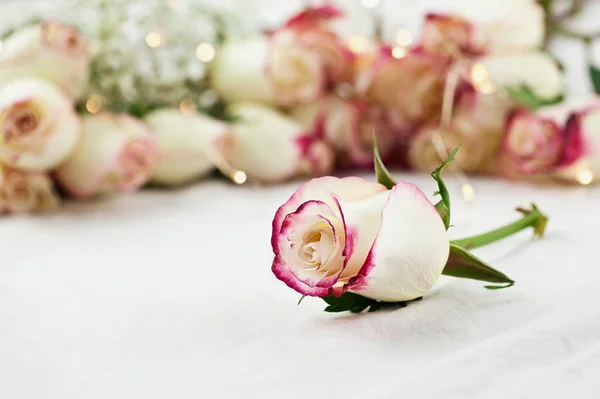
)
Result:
{"points": [[532, 218]]}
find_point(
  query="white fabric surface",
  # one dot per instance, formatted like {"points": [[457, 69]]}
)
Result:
{"points": [[170, 295]]}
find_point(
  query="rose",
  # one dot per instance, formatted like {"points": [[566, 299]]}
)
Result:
{"points": [[449, 35], [580, 157], [188, 145], [477, 125], [51, 51], [38, 125], [22, 191], [275, 71], [116, 153], [410, 88], [336, 235], [349, 125], [531, 145], [271, 147], [293, 65], [313, 31]]}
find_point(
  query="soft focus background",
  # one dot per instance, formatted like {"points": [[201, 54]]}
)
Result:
{"points": [[395, 14]]}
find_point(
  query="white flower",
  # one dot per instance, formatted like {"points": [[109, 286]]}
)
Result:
{"points": [[187, 145], [335, 235], [51, 51], [38, 125], [22, 191], [116, 153], [271, 147]]}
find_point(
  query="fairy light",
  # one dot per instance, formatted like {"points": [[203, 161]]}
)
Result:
{"points": [[154, 39], [468, 192], [187, 106], [480, 78], [205, 52], [358, 44], [585, 177], [398, 52], [94, 104], [404, 37], [240, 177], [370, 3]]}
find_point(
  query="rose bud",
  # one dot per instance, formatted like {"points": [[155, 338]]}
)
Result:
{"points": [[336, 235], [38, 125], [22, 191], [51, 51], [271, 147], [349, 125], [293, 65], [410, 88], [275, 71], [188, 145], [531, 145], [449, 35], [477, 125], [116, 153]]}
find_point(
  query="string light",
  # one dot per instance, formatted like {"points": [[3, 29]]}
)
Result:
{"points": [[94, 104], [358, 44], [205, 52], [480, 78], [154, 39], [370, 3], [468, 192], [187, 106], [398, 52], [240, 177], [585, 177], [404, 37]]}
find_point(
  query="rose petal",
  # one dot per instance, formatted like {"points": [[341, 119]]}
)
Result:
{"points": [[410, 251]]}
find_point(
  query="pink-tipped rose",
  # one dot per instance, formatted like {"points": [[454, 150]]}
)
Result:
{"points": [[348, 126], [39, 128], [409, 89], [116, 154], [477, 125], [188, 145], [293, 65], [336, 235], [531, 145], [52, 51], [449, 35], [22, 191], [271, 147]]}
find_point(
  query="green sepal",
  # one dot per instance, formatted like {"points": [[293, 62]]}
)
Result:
{"points": [[301, 299], [595, 77], [354, 303], [443, 207], [462, 264], [526, 98], [383, 175]]}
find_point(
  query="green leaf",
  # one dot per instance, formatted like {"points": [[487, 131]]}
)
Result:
{"points": [[443, 207], [354, 303], [595, 76], [526, 98], [463, 264], [383, 175]]}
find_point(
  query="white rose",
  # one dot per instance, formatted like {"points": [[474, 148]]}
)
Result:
{"points": [[271, 147], [38, 125], [188, 145], [116, 153], [335, 235], [22, 191], [51, 51], [277, 70]]}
